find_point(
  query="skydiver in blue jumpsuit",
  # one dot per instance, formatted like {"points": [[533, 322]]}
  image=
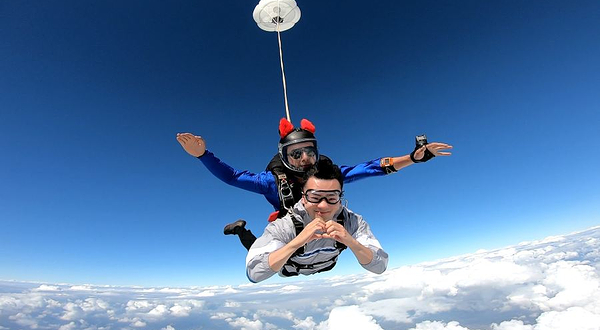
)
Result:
{"points": [[297, 153]]}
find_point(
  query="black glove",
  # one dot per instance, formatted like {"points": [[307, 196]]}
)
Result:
{"points": [[421, 140]]}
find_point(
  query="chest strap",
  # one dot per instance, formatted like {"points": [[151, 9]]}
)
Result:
{"points": [[292, 268]]}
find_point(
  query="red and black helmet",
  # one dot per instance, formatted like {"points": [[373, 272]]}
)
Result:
{"points": [[291, 136]]}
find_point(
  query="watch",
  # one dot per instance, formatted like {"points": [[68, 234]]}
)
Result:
{"points": [[388, 165]]}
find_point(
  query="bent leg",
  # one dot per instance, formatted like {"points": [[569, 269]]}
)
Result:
{"points": [[239, 228], [246, 237]]}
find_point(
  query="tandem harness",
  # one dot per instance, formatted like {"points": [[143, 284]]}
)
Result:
{"points": [[288, 192], [292, 268]]}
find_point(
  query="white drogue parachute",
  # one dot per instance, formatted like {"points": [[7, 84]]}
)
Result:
{"points": [[276, 15]]}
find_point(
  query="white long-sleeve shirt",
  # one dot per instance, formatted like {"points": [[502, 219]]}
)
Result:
{"points": [[321, 253]]}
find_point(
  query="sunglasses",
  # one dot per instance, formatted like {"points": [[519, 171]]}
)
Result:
{"points": [[316, 196], [297, 153]]}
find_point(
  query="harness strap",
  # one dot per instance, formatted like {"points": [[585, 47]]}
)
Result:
{"points": [[286, 196], [338, 245], [291, 268]]}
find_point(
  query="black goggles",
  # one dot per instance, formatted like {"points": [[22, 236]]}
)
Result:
{"points": [[297, 153], [316, 196]]}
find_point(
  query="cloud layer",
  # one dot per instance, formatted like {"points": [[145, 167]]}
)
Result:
{"points": [[553, 284]]}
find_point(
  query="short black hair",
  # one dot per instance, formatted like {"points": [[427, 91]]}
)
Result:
{"points": [[325, 169]]}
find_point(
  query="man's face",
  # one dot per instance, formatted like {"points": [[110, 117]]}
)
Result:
{"points": [[302, 155], [321, 189]]}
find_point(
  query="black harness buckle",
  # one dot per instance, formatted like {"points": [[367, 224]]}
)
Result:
{"points": [[286, 197]]}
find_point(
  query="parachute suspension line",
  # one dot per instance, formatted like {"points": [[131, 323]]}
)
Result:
{"points": [[287, 108], [278, 16]]}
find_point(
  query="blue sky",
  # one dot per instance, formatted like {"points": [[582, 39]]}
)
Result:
{"points": [[95, 188]]}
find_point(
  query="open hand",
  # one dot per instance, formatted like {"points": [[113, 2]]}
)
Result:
{"points": [[436, 148], [192, 144]]}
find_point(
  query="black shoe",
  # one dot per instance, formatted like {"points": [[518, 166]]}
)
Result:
{"points": [[233, 228]]}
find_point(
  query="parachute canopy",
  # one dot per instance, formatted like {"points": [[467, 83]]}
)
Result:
{"points": [[269, 14]]}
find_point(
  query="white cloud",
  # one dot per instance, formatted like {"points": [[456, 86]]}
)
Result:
{"points": [[349, 317], [575, 318], [170, 290], [82, 288], [232, 304], [159, 311], [230, 289], [93, 305], [290, 289], [512, 325], [138, 323], [45, 287], [10, 303], [288, 315], [485, 272], [436, 325], [69, 326], [550, 284], [270, 326], [72, 312], [407, 310], [574, 283], [25, 320], [246, 324], [180, 311], [222, 316], [51, 303], [207, 293], [306, 324], [139, 305]]}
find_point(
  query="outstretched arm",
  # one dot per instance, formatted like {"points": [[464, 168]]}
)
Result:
{"points": [[261, 183], [383, 166]]}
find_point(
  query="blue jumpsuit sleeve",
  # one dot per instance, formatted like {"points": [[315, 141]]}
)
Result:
{"points": [[362, 170], [262, 183]]}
